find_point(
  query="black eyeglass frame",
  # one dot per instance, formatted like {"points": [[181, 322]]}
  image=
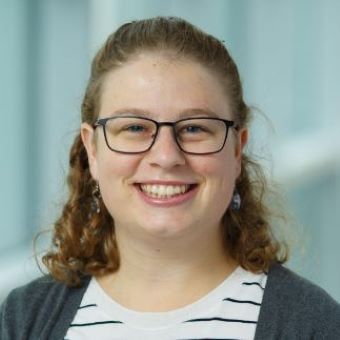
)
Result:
{"points": [[228, 124]]}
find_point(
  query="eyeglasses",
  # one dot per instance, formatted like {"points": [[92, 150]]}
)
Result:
{"points": [[134, 135]]}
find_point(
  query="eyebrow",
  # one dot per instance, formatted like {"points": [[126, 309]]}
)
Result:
{"points": [[192, 112]]}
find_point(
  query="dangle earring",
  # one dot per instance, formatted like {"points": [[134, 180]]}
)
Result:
{"points": [[235, 201], [96, 196]]}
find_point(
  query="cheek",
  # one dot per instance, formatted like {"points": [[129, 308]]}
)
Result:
{"points": [[114, 172], [110, 163], [115, 169], [218, 186], [219, 174], [216, 166]]}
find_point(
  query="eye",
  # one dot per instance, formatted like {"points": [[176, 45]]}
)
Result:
{"points": [[135, 128], [193, 129]]}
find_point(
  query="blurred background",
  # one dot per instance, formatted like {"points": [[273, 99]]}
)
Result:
{"points": [[288, 54]]}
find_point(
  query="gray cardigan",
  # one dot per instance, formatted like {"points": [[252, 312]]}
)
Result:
{"points": [[292, 308]]}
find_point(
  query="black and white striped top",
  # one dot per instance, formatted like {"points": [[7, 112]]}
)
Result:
{"points": [[230, 311]]}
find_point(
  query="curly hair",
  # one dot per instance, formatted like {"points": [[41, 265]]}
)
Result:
{"points": [[84, 242]]}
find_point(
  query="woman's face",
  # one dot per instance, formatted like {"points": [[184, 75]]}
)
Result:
{"points": [[163, 89]]}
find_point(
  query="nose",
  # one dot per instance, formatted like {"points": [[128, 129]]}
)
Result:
{"points": [[165, 151]]}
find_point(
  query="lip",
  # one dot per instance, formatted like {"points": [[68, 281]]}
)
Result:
{"points": [[167, 202], [160, 182]]}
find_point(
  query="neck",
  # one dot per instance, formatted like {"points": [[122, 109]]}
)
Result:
{"points": [[167, 268]]}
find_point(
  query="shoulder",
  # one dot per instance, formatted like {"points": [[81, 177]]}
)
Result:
{"points": [[34, 290], [36, 305], [288, 286], [304, 308]]}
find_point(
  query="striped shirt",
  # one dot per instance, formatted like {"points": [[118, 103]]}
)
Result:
{"points": [[230, 311]]}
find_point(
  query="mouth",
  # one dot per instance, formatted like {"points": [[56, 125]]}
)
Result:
{"points": [[162, 191]]}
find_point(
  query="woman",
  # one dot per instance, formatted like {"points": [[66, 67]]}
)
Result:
{"points": [[165, 234]]}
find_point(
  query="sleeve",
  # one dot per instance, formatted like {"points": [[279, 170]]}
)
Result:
{"points": [[25, 311], [295, 308], [327, 317], [3, 324], [40, 310], [10, 316]]}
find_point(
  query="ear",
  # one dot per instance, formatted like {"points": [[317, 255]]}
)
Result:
{"points": [[241, 142], [88, 138]]}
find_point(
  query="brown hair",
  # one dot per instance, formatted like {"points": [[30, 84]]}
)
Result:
{"points": [[83, 241]]}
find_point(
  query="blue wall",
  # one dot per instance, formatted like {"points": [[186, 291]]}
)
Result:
{"points": [[288, 54]]}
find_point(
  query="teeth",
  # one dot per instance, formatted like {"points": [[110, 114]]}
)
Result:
{"points": [[164, 191]]}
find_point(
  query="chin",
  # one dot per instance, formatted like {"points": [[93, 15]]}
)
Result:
{"points": [[165, 229]]}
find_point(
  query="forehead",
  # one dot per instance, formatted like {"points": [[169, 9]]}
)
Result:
{"points": [[162, 86]]}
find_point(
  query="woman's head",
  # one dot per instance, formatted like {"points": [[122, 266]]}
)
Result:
{"points": [[164, 192], [176, 68]]}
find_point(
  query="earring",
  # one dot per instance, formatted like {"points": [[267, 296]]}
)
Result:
{"points": [[96, 196], [235, 201]]}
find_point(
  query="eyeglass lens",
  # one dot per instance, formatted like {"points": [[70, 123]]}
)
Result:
{"points": [[133, 134]]}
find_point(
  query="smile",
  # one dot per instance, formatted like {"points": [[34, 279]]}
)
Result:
{"points": [[166, 195], [164, 191]]}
